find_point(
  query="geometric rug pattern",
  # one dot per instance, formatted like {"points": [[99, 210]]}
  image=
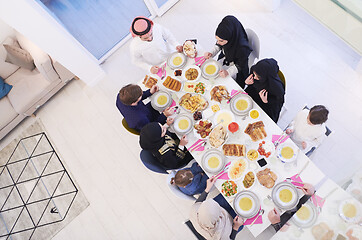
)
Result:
{"points": [[35, 189]]}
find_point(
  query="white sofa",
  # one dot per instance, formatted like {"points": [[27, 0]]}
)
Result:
{"points": [[31, 89]]}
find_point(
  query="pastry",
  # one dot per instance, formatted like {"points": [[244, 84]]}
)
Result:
{"points": [[172, 84], [234, 150], [149, 81], [218, 93], [256, 131], [266, 178]]}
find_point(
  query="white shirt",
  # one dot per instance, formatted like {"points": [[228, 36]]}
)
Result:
{"points": [[147, 54], [302, 131], [232, 69]]}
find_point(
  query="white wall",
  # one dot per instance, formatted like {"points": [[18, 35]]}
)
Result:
{"points": [[336, 19], [30, 19]]}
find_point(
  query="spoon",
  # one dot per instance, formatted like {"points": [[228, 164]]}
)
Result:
{"points": [[261, 212]]}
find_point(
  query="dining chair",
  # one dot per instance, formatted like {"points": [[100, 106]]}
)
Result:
{"points": [[175, 190], [151, 162], [254, 44], [131, 130], [193, 230]]}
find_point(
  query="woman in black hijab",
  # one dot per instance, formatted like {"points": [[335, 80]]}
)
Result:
{"points": [[266, 88], [233, 43], [165, 146]]}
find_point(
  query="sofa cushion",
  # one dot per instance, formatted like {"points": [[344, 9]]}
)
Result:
{"points": [[4, 88], [42, 60], [6, 69], [7, 108], [29, 87], [19, 57]]}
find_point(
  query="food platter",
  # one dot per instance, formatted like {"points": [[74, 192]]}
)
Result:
{"points": [[266, 149], [246, 204], [205, 127], [210, 69], [246, 177], [350, 210], [176, 60], [287, 152], [241, 104], [189, 48], [306, 216], [218, 136], [237, 169], [183, 124], [193, 102], [225, 116], [191, 73], [161, 100], [285, 195], [213, 161]]}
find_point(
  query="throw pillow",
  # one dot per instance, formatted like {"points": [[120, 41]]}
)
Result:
{"points": [[4, 88], [19, 57]]}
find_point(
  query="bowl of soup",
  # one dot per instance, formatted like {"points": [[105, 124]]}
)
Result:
{"points": [[241, 104], [246, 204], [285, 195], [213, 161]]}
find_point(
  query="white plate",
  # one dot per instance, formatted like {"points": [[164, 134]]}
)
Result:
{"points": [[354, 203], [242, 174], [287, 145], [194, 45], [241, 97], [226, 137], [209, 154], [178, 119], [200, 110], [268, 147], [156, 96], [310, 220], [224, 113], [255, 204], [189, 67], [276, 195], [208, 63], [171, 58], [255, 179], [198, 135]]}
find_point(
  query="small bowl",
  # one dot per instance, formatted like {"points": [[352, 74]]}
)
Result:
{"points": [[254, 113]]}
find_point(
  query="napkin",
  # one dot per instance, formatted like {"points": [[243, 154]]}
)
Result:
{"points": [[161, 70], [296, 180], [276, 137], [199, 148], [250, 220], [317, 200], [225, 175], [200, 60], [173, 104]]}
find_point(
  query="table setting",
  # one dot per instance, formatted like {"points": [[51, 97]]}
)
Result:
{"points": [[231, 137]]}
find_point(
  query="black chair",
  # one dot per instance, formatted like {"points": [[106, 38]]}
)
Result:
{"points": [[193, 230], [152, 163], [131, 130]]}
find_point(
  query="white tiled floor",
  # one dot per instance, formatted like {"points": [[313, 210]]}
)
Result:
{"points": [[129, 202]]}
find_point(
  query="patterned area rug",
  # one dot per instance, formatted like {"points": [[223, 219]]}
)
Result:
{"points": [[38, 196]]}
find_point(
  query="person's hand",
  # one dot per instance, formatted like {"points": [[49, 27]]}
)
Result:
{"points": [[154, 89], [223, 73], [183, 140], [249, 80], [154, 69], [304, 145], [168, 112], [209, 183], [289, 131], [274, 216], [169, 121], [237, 222], [308, 189], [179, 48], [264, 96], [207, 55]]}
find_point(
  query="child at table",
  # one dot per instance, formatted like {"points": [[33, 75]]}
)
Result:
{"points": [[137, 114], [307, 129], [190, 180]]}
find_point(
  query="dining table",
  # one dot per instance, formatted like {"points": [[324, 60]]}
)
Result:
{"points": [[302, 167]]}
